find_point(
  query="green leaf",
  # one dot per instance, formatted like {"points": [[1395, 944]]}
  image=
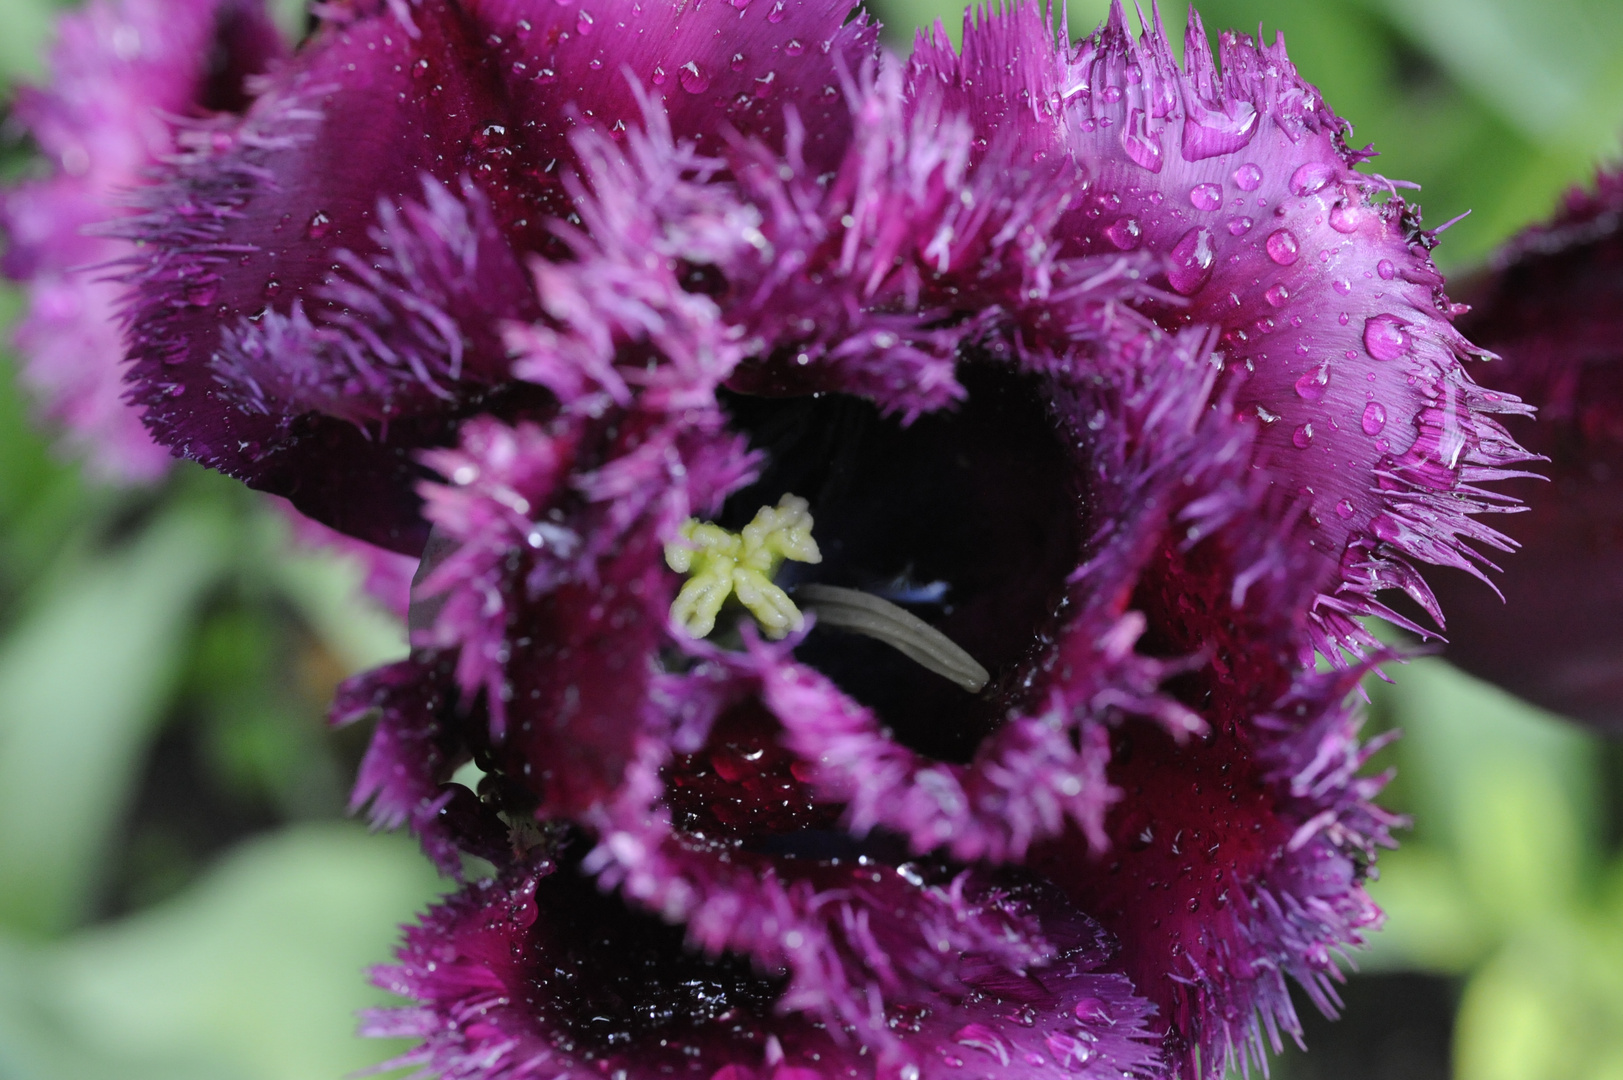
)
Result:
{"points": [[255, 973], [1509, 792], [1433, 923], [82, 680]]}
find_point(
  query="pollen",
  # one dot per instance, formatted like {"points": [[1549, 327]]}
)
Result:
{"points": [[723, 564]]}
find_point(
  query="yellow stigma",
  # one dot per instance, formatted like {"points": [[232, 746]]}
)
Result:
{"points": [[724, 564]]}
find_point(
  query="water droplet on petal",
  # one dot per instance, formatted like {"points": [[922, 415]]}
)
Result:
{"points": [[1311, 177], [1069, 1050], [693, 78], [1110, 95], [1277, 295], [320, 225], [981, 1037], [583, 24], [738, 61], [1190, 261], [1311, 387], [1374, 421], [1125, 233], [273, 289], [1206, 196], [1386, 269], [739, 4], [1344, 509], [1143, 146], [1384, 337], [1344, 217], [1239, 226], [1342, 287], [1090, 1010], [1282, 246], [1302, 436], [658, 77], [1247, 177], [776, 14], [794, 48]]}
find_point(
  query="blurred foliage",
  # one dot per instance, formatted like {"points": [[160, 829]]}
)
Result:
{"points": [[181, 896]]}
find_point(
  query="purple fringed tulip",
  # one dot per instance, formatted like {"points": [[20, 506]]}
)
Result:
{"points": [[123, 75], [131, 82], [1078, 399], [1551, 305]]}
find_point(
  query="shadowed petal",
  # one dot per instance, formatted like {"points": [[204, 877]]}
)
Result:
{"points": [[1550, 307]]}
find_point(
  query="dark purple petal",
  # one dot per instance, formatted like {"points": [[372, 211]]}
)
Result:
{"points": [[121, 76], [412, 329], [255, 220], [539, 975], [405, 775], [1550, 307], [713, 67], [1235, 860]]}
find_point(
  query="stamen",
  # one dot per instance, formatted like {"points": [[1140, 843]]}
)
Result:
{"points": [[864, 613], [724, 564]]}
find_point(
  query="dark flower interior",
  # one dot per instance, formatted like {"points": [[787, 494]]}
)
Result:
{"points": [[971, 518]]}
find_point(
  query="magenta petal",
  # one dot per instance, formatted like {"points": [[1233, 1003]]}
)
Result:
{"points": [[1336, 332], [122, 74], [1549, 306]]}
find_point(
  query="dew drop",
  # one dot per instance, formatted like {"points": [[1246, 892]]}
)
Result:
{"points": [[1344, 509], [1125, 233], [1090, 1010], [776, 14], [1277, 295], [1311, 177], [1344, 217], [658, 77], [273, 289], [1190, 263], [1143, 146], [1302, 436], [1374, 421], [981, 1037], [1384, 337], [320, 225], [1069, 1050], [1282, 246], [693, 78], [739, 4], [1206, 196], [1110, 95], [1239, 226], [583, 24], [1311, 387], [738, 61], [1386, 269], [794, 48], [1248, 177], [1341, 286]]}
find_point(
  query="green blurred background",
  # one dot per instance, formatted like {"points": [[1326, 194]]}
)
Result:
{"points": [[182, 895]]}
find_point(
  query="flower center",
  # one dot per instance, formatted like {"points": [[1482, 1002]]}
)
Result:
{"points": [[969, 520]]}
